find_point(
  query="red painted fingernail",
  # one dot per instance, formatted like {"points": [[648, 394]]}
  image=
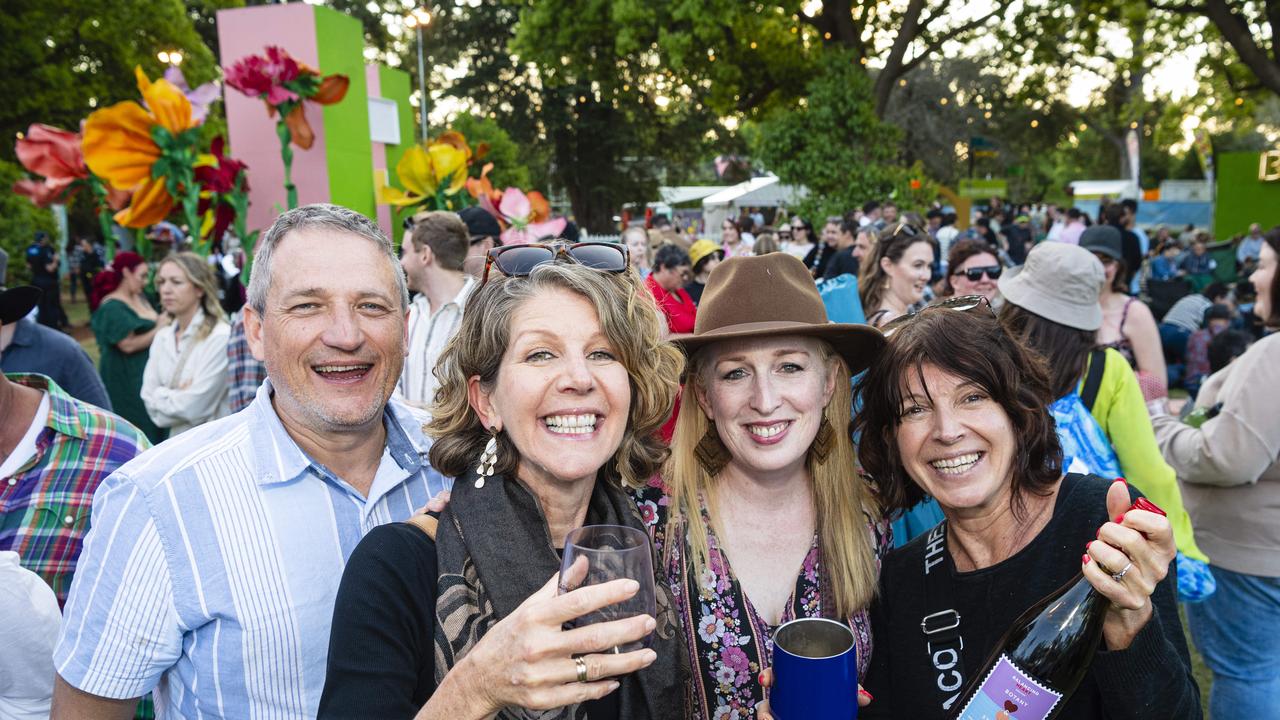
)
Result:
{"points": [[760, 678], [1121, 480], [1086, 558], [864, 692], [1119, 519], [1098, 534]]}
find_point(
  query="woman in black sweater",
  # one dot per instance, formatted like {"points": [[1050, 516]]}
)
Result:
{"points": [[955, 408]]}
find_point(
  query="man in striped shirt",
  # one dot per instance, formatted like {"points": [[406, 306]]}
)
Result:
{"points": [[209, 574], [432, 254]]}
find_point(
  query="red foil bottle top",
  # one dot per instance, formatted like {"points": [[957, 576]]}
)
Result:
{"points": [[1145, 504]]}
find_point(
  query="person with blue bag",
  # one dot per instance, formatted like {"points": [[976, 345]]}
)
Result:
{"points": [[1102, 422]]}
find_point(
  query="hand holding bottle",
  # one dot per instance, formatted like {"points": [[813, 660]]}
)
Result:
{"points": [[1126, 563]]}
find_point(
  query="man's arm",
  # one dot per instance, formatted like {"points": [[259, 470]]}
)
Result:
{"points": [[72, 704]]}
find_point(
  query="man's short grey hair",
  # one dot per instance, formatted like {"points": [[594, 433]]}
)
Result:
{"points": [[319, 215]]}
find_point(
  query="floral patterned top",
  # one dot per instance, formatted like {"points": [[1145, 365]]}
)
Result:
{"points": [[729, 643]]}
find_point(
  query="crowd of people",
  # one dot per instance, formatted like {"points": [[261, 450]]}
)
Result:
{"points": [[345, 490]]}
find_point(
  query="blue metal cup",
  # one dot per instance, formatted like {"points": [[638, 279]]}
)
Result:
{"points": [[815, 671]]}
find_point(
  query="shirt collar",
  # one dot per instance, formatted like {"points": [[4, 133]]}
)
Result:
{"points": [[196, 321], [64, 415], [280, 460], [24, 334]]}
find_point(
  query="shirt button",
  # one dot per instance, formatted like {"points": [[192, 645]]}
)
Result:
{"points": [[13, 481], [68, 519]]}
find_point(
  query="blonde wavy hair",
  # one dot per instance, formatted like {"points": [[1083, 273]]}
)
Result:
{"points": [[630, 320], [842, 501], [200, 274]]}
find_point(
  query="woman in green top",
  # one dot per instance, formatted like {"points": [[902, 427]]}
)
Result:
{"points": [[1052, 307], [124, 324]]}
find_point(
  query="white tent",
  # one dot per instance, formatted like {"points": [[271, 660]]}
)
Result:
{"points": [[1094, 189], [680, 194], [764, 191]]}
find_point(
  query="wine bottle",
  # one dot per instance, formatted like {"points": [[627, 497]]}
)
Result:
{"points": [[1043, 657]]}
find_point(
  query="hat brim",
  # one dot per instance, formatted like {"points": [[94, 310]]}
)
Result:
{"points": [[858, 345], [1021, 292], [16, 302], [1104, 250]]}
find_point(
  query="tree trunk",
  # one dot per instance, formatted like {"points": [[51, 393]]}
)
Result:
{"points": [[1237, 32]]}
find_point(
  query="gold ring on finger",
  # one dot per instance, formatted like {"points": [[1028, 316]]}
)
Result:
{"points": [[582, 669]]}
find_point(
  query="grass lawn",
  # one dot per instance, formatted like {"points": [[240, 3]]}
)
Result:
{"points": [[78, 314], [1204, 678]]}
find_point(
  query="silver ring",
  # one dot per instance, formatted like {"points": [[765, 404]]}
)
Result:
{"points": [[1119, 577], [582, 669]]}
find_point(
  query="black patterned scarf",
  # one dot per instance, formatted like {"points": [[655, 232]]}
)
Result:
{"points": [[494, 551]]}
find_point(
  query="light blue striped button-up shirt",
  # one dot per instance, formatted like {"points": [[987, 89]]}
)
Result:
{"points": [[209, 573]]}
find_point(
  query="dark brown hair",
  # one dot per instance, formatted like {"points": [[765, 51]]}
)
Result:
{"points": [[893, 244], [1273, 239], [1063, 348], [970, 345], [961, 251], [446, 235]]}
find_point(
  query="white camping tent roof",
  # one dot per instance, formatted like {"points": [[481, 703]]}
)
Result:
{"points": [[763, 191], [679, 194], [1098, 188]]}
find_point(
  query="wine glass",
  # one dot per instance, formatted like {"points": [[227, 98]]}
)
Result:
{"points": [[612, 552]]}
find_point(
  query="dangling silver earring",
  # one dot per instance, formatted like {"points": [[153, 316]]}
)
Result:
{"points": [[487, 459]]}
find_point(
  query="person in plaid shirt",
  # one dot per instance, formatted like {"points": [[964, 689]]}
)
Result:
{"points": [[246, 372], [54, 450]]}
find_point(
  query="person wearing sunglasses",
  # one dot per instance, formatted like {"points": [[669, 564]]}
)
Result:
{"points": [[672, 270], [758, 515], [797, 237], [894, 277], [972, 269], [958, 409], [551, 396]]}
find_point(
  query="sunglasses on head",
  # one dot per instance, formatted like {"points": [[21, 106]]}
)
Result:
{"points": [[521, 260], [963, 303], [905, 228], [974, 274]]}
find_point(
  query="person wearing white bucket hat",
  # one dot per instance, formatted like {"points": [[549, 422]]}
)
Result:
{"points": [[1052, 306], [1058, 282]]}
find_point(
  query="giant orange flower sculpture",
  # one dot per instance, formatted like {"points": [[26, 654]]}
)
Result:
{"points": [[151, 151]]}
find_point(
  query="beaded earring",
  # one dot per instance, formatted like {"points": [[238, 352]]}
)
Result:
{"points": [[488, 459]]}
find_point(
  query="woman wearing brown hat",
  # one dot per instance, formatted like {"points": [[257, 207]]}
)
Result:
{"points": [[758, 517]]}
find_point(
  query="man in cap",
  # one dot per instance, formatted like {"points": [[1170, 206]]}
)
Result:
{"points": [[29, 347], [484, 234]]}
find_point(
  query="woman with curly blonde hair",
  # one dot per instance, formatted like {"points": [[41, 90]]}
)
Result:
{"points": [[550, 398]]}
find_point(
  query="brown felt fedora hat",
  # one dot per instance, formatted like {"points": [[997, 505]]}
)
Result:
{"points": [[773, 295]]}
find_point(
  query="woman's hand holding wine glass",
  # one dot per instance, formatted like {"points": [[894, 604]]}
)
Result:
{"points": [[528, 660], [1130, 557]]}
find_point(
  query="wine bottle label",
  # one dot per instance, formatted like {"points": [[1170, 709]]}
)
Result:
{"points": [[1007, 693]]}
